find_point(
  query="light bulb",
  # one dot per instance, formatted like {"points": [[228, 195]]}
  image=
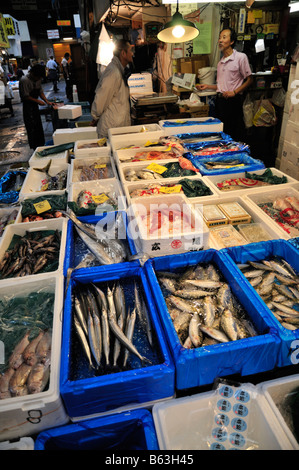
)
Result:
{"points": [[178, 31]]}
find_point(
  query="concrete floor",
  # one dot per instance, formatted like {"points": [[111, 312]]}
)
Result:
{"points": [[14, 149]]}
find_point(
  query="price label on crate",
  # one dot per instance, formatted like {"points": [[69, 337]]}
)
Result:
{"points": [[157, 168], [172, 189], [42, 206], [100, 199]]}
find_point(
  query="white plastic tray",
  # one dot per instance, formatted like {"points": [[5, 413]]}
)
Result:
{"points": [[90, 160], [41, 162], [98, 187], [136, 139], [86, 152], [33, 181]]}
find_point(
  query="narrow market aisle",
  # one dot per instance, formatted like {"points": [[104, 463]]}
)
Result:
{"points": [[14, 148]]}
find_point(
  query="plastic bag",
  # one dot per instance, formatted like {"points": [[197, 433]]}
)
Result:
{"points": [[264, 114], [279, 97], [248, 107]]}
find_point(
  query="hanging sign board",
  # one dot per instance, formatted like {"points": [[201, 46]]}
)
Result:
{"points": [[53, 34], [63, 22], [242, 21], [3, 35]]}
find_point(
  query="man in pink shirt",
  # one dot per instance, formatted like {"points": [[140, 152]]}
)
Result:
{"points": [[234, 76]]}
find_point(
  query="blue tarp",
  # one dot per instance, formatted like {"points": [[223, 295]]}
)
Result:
{"points": [[248, 163]]}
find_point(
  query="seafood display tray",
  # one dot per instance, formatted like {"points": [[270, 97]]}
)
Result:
{"points": [[261, 251], [128, 187], [265, 197], [187, 423], [89, 152], [132, 130], [139, 139], [74, 255], [122, 390], [124, 156], [33, 181], [276, 391], [250, 164], [33, 413], [202, 365], [131, 430], [257, 217], [202, 124], [41, 162], [214, 179], [21, 229], [86, 161], [152, 245]]}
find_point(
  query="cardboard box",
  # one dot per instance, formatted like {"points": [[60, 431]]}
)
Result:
{"points": [[292, 133], [290, 152], [289, 168]]}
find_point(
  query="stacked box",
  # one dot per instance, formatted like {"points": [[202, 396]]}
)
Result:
{"points": [[140, 83], [64, 136], [86, 392], [264, 251], [69, 111], [202, 365]]}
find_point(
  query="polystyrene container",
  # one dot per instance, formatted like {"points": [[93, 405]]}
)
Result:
{"points": [[128, 188], [25, 443], [180, 126], [132, 130], [279, 393], [190, 234], [131, 430], [40, 162], [261, 251], [91, 151], [139, 139], [123, 156], [7, 211], [30, 414], [75, 249], [69, 111], [33, 181], [249, 163], [77, 164], [202, 365], [188, 423], [214, 179], [269, 197], [85, 392], [64, 136], [22, 229]]}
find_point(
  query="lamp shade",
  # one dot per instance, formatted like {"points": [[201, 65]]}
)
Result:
{"points": [[178, 30]]}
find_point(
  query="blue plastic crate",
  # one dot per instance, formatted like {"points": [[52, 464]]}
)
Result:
{"points": [[76, 249], [85, 393], [200, 366], [250, 164], [133, 430], [204, 136], [289, 345]]}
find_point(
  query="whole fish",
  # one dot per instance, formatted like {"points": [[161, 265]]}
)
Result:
{"points": [[216, 334], [224, 297], [209, 311], [192, 294], [119, 300], [19, 378], [285, 309], [111, 305], [181, 325], [183, 305], [204, 283], [29, 353], [212, 273], [253, 273], [105, 334], [80, 314], [129, 333], [278, 267], [286, 291], [169, 284], [16, 357], [228, 325], [43, 349], [38, 378], [117, 344], [93, 339], [83, 341], [286, 280], [4, 383], [142, 313], [195, 333], [96, 247]]}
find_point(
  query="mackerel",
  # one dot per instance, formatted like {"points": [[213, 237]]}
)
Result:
{"points": [[228, 325], [195, 332], [216, 334]]}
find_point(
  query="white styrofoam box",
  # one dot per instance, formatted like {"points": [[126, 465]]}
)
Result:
{"points": [[110, 187], [214, 179], [6, 211], [256, 216], [92, 150], [41, 162], [288, 167], [194, 235], [264, 197], [292, 133], [290, 152], [140, 77], [284, 123], [64, 136], [173, 181], [186, 423], [33, 413], [25, 443], [78, 163], [173, 130], [140, 83], [33, 181], [137, 140], [277, 392], [132, 129], [69, 111], [21, 229]]}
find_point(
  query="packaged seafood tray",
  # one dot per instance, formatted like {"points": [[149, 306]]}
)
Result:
{"points": [[280, 206], [110, 379], [225, 164], [191, 188], [242, 183], [252, 346], [166, 226], [131, 430], [31, 338], [96, 197], [33, 249], [146, 171], [92, 168], [9, 216], [37, 161], [81, 252], [195, 422], [275, 289], [54, 176], [140, 139], [132, 129], [91, 147], [252, 226], [282, 396], [196, 125]]}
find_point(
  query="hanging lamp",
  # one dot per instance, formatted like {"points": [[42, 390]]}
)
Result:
{"points": [[178, 29]]}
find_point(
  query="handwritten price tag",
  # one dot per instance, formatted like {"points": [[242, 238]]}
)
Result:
{"points": [[157, 168], [102, 165], [170, 190], [100, 199], [42, 206]]}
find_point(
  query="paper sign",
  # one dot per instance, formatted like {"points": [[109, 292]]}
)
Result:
{"points": [[169, 190], [42, 206], [100, 199], [102, 165], [157, 168]]}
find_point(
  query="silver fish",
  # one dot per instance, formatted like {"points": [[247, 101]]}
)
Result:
{"points": [[93, 339], [295, 292], [119, 300], [129, 333], [105, 334], [29, 353], [117, 344], [253, 273], [168, 283], [228, 325], [96, 247], [285, 309], [80, 314], [38, 378], [16, 357], [192, 294], [183, 305], [83, 340], [209, 311], [195, 333], [255, 281], [204, 283], [111, 305], [278, 267], [212, 273], [286, 280], [286, 291], [216, 334], [224, 297]]}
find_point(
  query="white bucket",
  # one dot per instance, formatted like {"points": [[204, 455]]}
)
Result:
{"points": [[206, 75]]}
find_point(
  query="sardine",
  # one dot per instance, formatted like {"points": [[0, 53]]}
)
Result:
{"points": [[228, 325], [285, 309], [209, 311], [38, 378], [16, 357], [192, 294], [286, 280], [216, 334], [168, 283], [204, 283], [253, 273], [181, 325], [278, 268], [182, 305], [195, 333], [287, 291]]}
